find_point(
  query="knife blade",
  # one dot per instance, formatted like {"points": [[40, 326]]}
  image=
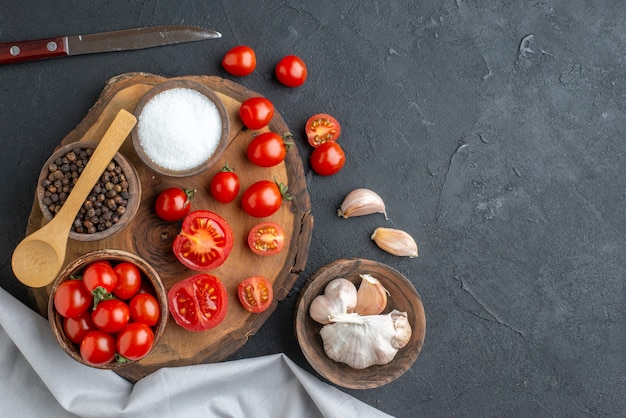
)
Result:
{"points": [[121, 40]]}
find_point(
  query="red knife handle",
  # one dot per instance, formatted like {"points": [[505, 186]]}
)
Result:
{"points": [[13, 52]]}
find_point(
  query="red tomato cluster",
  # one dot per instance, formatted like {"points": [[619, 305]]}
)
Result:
{"points": [[322, 131], [108, 313], [291, 71], [205, 239]]}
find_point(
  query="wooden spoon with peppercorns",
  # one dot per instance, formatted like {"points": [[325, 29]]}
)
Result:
{"points": [[39, 257]]}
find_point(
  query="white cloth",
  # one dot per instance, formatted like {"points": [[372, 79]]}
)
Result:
{"points": [[40, 379]]}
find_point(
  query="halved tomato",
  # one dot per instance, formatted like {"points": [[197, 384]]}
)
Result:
{"points": [[322, 128], [255, 294], [204, 241], [199, 302], [266, 238]]}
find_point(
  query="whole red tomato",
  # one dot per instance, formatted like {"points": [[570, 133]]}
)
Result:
{"points": [[98, 348], [100, 274], [135, 341], [255, 294], [266, 238], [225, 185], [204, 242], [264, 198], [328, 159], [199, 302], [268, 149], [72, 298], [144, 308], [76, 327], [173, 204], [128, 280], [111, 315], [291, 71], [322, 128], [256, 112], [240, 61]]}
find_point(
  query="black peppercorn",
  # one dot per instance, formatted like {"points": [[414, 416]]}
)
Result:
{"points": [[104, 205]]}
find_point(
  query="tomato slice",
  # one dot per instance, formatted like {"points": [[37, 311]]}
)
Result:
{"points": [[266, 238], [255, 294], [322, 128], [199, 302], [204, 242]]}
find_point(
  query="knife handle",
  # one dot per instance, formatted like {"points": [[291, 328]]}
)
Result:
{"points": [[13, 52]]}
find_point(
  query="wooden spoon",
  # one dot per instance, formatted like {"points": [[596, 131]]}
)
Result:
{"points": [[39, 257]]}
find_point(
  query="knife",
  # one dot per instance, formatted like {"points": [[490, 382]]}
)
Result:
{"points": [[121, 40]]}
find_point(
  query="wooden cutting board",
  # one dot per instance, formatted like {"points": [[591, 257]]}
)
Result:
{"points": [[151, 238]]}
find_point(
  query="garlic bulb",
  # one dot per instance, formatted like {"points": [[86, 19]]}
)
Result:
{"points": [[363, 341], [361, 202], [371, 298], [395, 242], [340, 296]]}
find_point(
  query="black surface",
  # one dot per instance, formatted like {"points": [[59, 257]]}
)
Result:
{"points": [[495, 132]]}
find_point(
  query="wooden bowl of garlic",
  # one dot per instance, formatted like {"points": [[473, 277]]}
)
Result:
{"points": [[360, 323]]}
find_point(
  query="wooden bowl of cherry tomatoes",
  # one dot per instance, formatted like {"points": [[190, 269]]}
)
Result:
{"points": [[108, 308]]}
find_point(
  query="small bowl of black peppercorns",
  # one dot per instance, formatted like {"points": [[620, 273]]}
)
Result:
{"points": [[111, 204]]}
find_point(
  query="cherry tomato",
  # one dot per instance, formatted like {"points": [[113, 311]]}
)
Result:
{"points": [[328, 159], [146, 287], [111, 315], [72, 298], [100, 274], [76, 327], [256, 112], [322, 128], [98, 348], [240, 61], [135, 341], [144, 308], [128, 280], [255, 294], [204, 242], [173, 204], [266, 238], [268, 149], [264, 198], [225, 185], [199, 302], [291, 71]]}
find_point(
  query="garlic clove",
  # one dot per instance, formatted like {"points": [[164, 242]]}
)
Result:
{"points": [[371, 298], [340, 297], [403, 329], [361, 202], [395, 241]]}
